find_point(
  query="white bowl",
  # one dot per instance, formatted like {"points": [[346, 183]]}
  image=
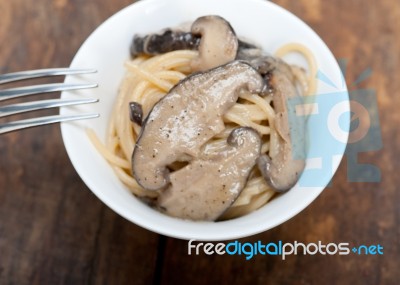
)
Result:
{"points": [[106, 50]]}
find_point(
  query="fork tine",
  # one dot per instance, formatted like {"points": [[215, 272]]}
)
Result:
{"points": [[15, 76], [39, 105], [45, 88], [35, 122]]}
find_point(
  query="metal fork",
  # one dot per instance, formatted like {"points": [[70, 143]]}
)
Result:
{"points": [[10, 93]]}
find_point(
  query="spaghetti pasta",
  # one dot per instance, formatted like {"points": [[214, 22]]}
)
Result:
{"points": [[148, 79]]}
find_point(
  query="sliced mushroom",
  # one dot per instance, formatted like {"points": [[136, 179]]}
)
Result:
{"points": [[136, 113], [213, 36], [186, 118], [283, 168], [171, 40], [266, 65], [218, 44], [206, 187], [168, 40]]}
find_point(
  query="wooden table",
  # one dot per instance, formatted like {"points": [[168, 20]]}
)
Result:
{"points": [[53, 230]]}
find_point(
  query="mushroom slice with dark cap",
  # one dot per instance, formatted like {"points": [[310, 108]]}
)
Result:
{"points": [[218, 44], [207, 187], [165, 41], [186, 118], [170, 40], [212, 36], [283, 168]]}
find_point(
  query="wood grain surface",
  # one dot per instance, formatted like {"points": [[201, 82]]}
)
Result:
{"points": [[53, 230]]}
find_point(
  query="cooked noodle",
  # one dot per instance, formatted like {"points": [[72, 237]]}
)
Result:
{"points": [[148, 79]]}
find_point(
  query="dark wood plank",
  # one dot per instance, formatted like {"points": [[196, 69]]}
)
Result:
{"points": [[52, 229], [124, 254]]}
